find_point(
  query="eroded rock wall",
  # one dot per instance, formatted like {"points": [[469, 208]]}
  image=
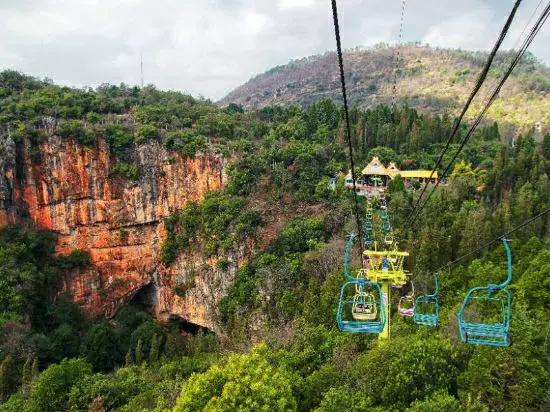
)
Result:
{"points": [[73, 191]]}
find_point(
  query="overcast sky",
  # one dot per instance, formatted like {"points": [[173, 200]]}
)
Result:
{"points": [[209, 47]]}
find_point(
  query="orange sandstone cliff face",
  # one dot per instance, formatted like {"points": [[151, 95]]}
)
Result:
{"points": [[73, 191]]}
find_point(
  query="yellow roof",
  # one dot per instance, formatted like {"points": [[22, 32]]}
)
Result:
{"points": [[418, 173], [375, 167]]}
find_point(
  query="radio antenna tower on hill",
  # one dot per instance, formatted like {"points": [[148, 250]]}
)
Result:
{"points": [[141, 69]]}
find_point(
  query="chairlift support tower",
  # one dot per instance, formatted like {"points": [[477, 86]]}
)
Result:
{"points": [[394, 275]]}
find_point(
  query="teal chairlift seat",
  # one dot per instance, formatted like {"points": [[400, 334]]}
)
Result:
{"points": [[496, 330], [421, 315], [360, 308]]}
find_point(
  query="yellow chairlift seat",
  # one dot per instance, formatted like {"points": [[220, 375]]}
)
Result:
{"points": [[364, 306]]}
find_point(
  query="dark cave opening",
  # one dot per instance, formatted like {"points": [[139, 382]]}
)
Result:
{"points": [[145, 298], [185, 326]]}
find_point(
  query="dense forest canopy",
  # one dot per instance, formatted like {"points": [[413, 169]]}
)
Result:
{"points": [[53, 359]]}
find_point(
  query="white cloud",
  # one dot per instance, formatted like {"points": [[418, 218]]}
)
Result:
{"points": [[466, 31], [209, 47], [289, 4], [254, 22]]}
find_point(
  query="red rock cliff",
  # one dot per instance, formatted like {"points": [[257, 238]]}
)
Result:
{"points": [[72, 191]]}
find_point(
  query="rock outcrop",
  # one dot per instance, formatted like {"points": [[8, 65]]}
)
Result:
{"points": [[73, 191]]}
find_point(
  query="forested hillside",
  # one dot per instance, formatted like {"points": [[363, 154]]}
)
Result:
{"points": [[431, 80], [270, 242]]}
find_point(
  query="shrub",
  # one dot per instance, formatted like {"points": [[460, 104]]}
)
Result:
{"points": [[223, 264], [408, 369], [246, 382], [184, 142], [127, 170], [51, 391], [146, 132], [119, 138], [76, 259], [75, 129], [297, 236], [101, 347]]}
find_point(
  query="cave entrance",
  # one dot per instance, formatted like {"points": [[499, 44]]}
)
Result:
{"points": [[184, 326], [145, 298]]}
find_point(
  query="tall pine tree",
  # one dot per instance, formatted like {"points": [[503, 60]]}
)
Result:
{"points": [[139, 353]]}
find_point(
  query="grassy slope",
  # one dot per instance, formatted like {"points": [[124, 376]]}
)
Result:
{"points": [[432, 80]]}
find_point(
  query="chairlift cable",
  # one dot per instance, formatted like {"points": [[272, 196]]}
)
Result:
{"points": [[480, 80], [503, 236], [346, 114], [527, 42], [397, 52]]}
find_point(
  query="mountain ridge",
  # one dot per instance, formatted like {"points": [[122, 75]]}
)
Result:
{"points": [[430, 79]]}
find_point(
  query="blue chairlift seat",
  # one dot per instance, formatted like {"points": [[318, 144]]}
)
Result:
{"points": [[423, 317], [350, 319], [361, 307], [495, 332]]}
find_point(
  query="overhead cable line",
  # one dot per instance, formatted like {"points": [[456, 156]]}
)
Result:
{"points": [[397, 51], [534, 31], [516, 44], [346, 114], [481, 78], [503, 236]]}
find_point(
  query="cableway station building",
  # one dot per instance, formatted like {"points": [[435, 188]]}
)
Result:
{"points": [[376, 175]]}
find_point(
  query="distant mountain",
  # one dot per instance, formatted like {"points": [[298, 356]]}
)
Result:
{"points": [[434, 80]]}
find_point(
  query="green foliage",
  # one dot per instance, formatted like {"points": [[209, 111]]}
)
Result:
{"points": [[139, 352], [534, 285], [52, 389], [298, 236], [115, 390], [27, 375], [185, 142], [396, 185], [234, 108], [129, 171], [202, 342], [101, 347], [146, 132], [281, 267], [245, 382], [216, 124], [385, 154], [16, 403], [129, 358], [218, 223], [120, 140], [76, 129], [439, 401], [244, 175], [65, 340], [155, 350], [77, 259], [343, 399], [144, 333], [26, 271], [410, 368], [8, 378]]}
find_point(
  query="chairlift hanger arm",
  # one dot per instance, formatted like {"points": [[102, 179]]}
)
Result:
{"points": [[349, 244], [385, 253]]}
